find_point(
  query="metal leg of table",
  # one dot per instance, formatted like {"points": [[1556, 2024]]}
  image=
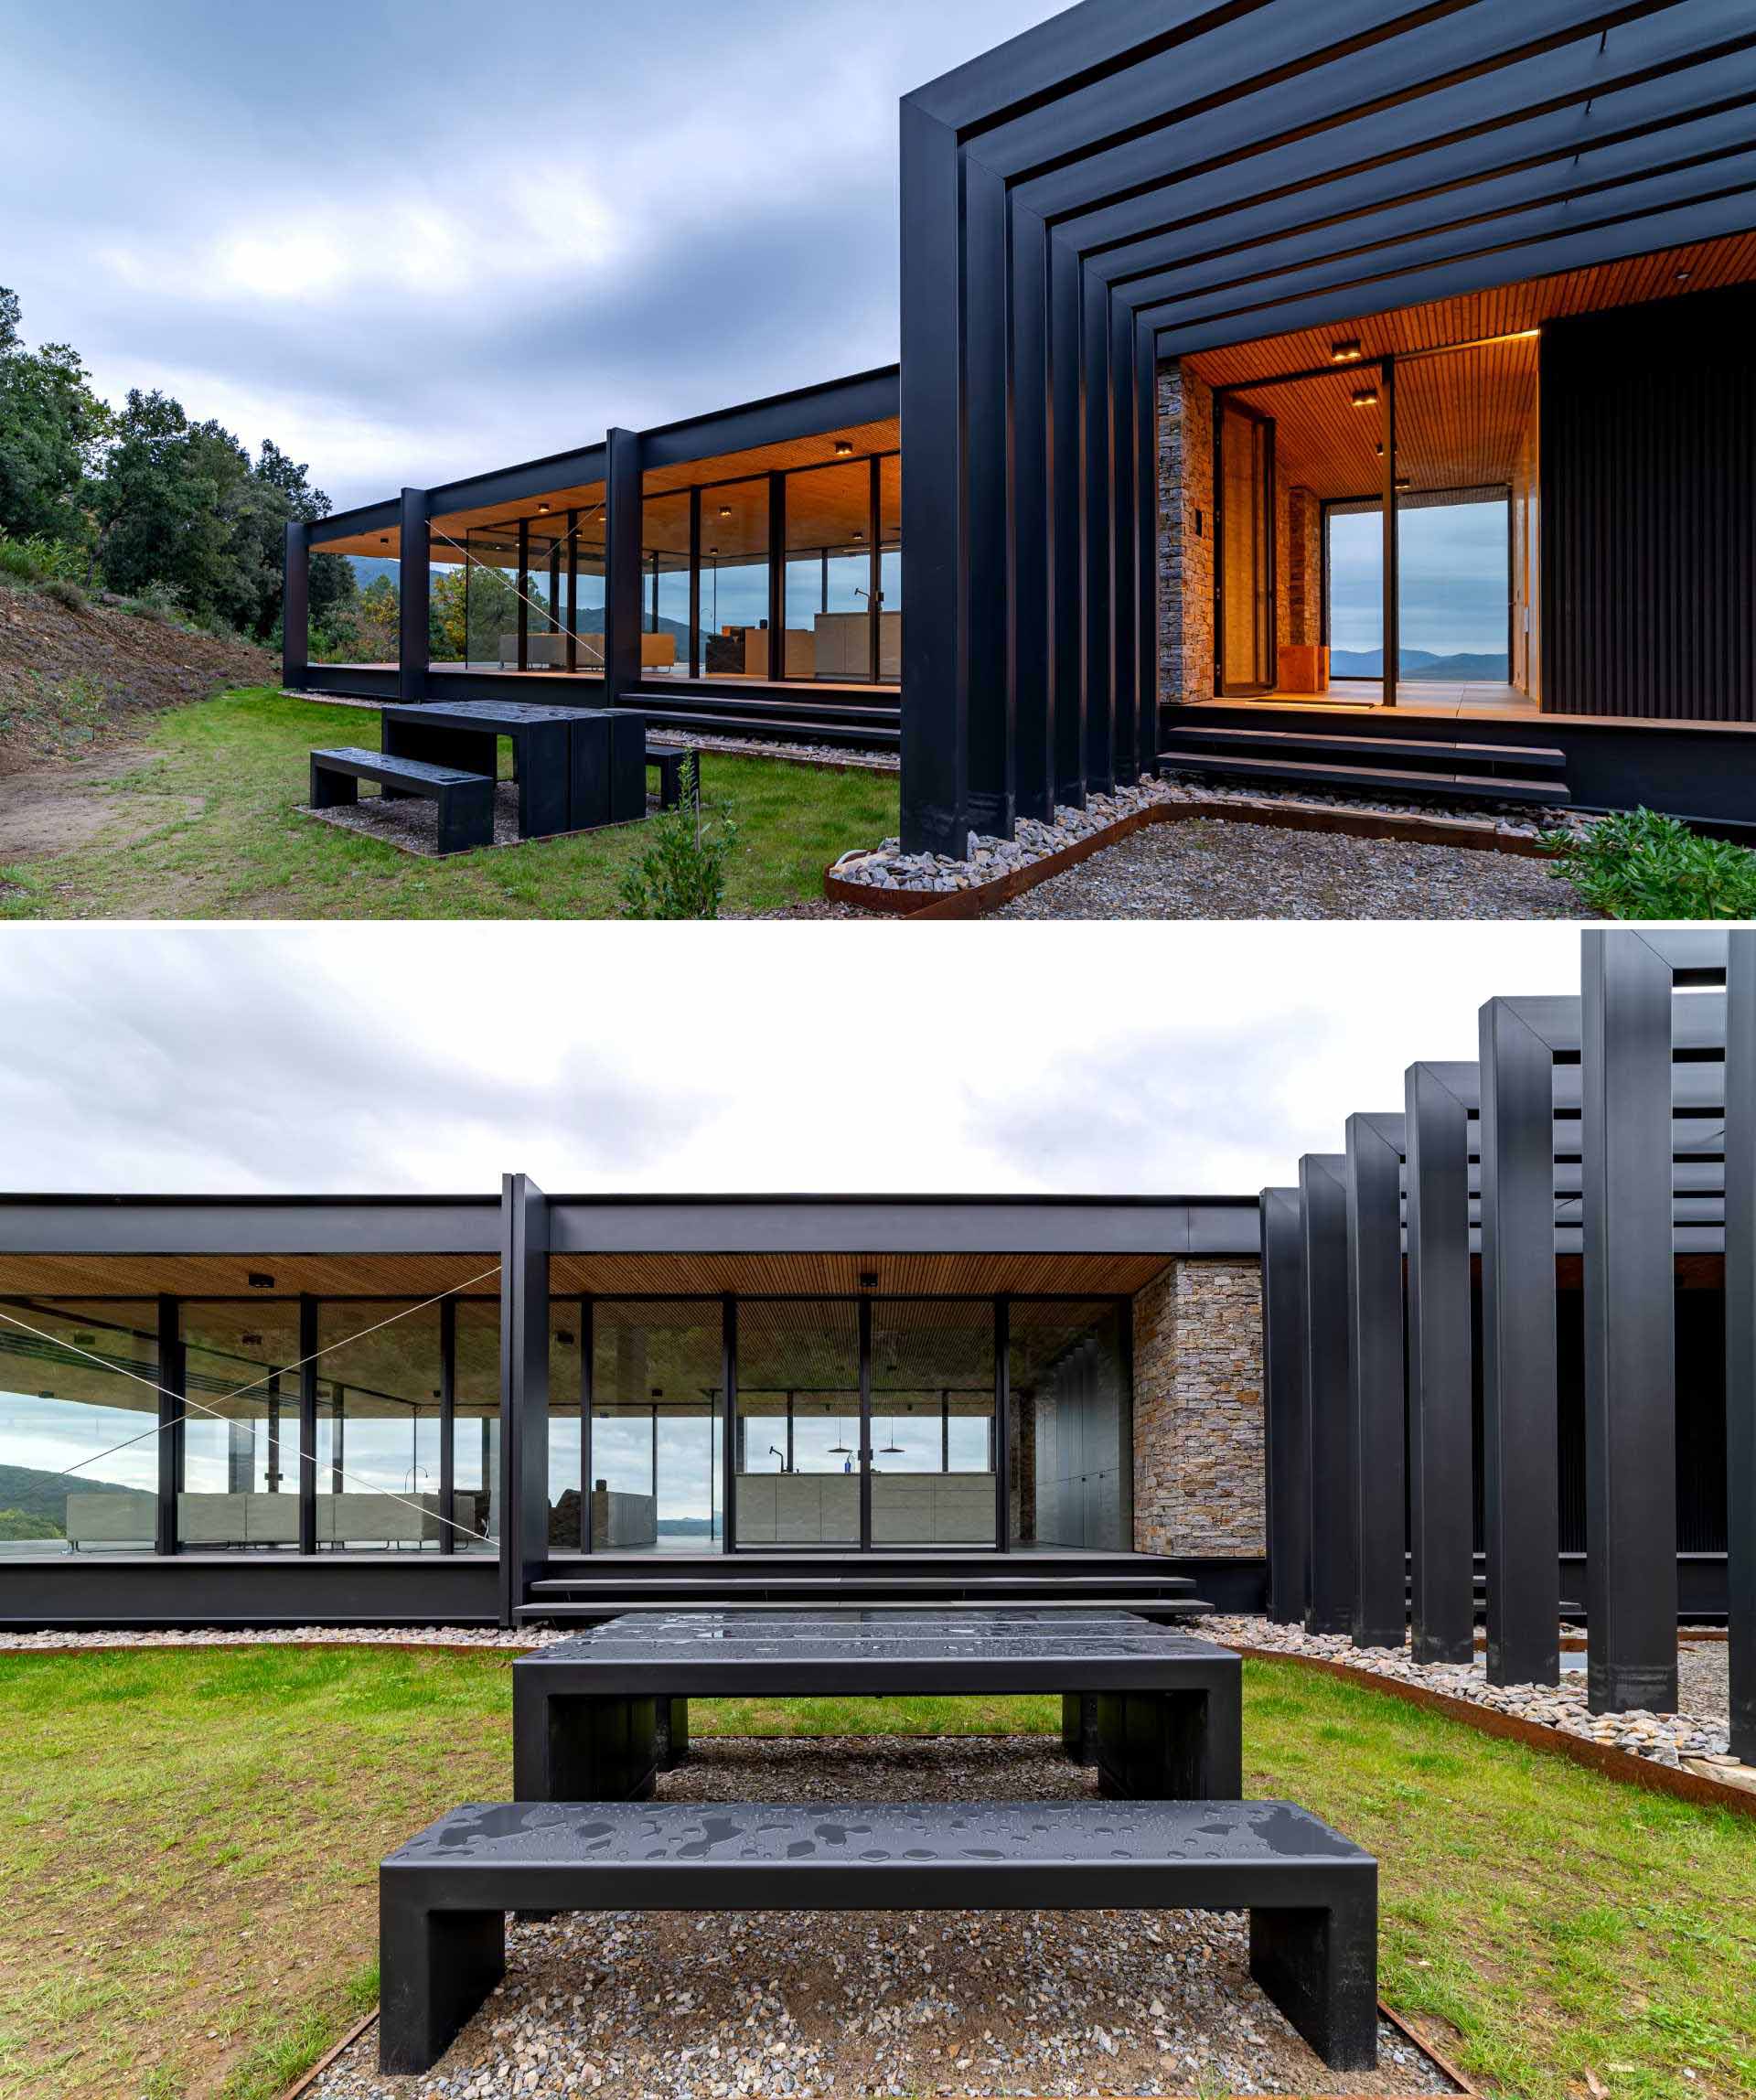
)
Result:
{"points": [[1079, 1726], [1171, 1746], [570, 1747]]}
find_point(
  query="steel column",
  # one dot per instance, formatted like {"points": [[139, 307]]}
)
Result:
{"points": [[776, 577], [295, 606], [1373, 1174], [1392, 560], [573, 592], [622, 506], [1284, 1414], [447, 1425], [728, 1428], [935, 693], [1322, 1204], [1741, 1339], [1002, 1437], [1518, 1356], [415, 597], [694, 583], [1442, 1480], [524, 594], [524, 1390], [171, 1408], [309, 1343], [1067, 579], [1027, 581], [1124, 455], [587, 1375], [1095, 465], [1630, 1323], [1146, 547], [992, 755]]}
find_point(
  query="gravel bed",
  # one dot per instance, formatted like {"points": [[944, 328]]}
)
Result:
{"points": [[1208, 868], [1700, 1732], [695, 2006], [412, 826], [282, 1636]]}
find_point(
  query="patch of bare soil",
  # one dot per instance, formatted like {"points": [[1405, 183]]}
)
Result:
{"points": [[54, 809], [69, 679]]}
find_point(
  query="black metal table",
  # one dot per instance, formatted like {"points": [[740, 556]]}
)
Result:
{"points": [[597, 1717], [453, 731]]}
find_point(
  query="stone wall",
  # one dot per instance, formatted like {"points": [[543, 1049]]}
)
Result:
{"points": [[1186, 535], [1199, 1484]]}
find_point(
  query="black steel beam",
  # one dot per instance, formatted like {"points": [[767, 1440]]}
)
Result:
{"points": [[1285, 1421], [524, 1391], [1374, 1179], [168, 1356], [1442, 1488], [1334, 1576], [1518, 1349], [1630, 1365], [414, 581], [1741, 1339]]}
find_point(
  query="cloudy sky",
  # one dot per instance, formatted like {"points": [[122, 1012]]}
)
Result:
{"points": [[414, 239], [1196, 1059]]}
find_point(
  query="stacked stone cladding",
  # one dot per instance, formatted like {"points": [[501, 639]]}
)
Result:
{"points": [[1186, 535], [1199, 1482]]}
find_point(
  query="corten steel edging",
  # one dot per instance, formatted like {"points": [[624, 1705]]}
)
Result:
{"points": [[984, 897], [308, 2082], [1601, 1758]]}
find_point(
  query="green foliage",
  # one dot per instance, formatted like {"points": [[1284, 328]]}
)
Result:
{"points": [[17, 1524], [53, 428], [681, 875], [1639, 864], [68, 596], [158, 600], [34, 558]]}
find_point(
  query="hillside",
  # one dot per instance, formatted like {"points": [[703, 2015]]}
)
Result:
{"points": [[71, 678], [1464, 667], [43, 1495]]}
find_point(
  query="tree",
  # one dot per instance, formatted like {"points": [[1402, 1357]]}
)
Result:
{"points": [[52, 431]]}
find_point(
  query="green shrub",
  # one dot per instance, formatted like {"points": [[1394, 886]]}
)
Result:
{"points": [[157, 601], [681, 875], [38, 560], [68, 595], [1639, 864]]}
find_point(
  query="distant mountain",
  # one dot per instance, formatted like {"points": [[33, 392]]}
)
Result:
{"points": [[1464, 667], [43, 1495]]}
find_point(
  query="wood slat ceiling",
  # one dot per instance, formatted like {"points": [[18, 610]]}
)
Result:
{"points": [[1463, 419], [1670, 274], [228, 1276], [864, 437]]}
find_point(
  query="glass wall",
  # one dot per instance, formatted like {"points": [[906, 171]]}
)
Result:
{"points": [[828, 573], [657, 1380], [734, 579], [1071, 1399], [566, 1423], [933, 1422], [796, 1474], [77, 1473], [668, 643], [238, 1475], [378, 1425], [890, 546], [476, 1427]]}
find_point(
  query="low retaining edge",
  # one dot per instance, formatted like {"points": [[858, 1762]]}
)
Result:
{"points": [[984, 897]]}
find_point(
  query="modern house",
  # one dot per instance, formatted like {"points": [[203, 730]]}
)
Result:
{"points": [[1537, 1277], [1202, 307]]}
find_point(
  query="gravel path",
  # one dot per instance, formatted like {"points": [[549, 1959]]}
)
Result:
{"points": [[1208, 868], [708, 2007], [1699, 1730]]}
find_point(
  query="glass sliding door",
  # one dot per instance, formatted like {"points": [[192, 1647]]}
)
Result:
{"points": [[1070, 1449], [1243, 607], [933, 1480], [735, 580], [657, 1411], [239, 1485], [797, 1459], [831, 595]]}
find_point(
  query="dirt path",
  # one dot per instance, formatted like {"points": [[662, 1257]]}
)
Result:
{"points": [[53, 810]]}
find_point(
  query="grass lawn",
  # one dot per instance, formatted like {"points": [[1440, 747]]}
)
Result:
{"points": [[206, 828], [187, 1845]]}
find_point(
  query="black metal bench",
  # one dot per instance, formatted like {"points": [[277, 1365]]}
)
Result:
{"points": [[466, 799], [1312, 1895], [668, 758]]}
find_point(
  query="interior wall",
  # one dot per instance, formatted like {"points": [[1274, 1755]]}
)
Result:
{"points": [[1185, 512]]}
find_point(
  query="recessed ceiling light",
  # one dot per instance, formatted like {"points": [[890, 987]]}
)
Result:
{"points": [[249, 1341], [725, 511], [543, 508], [1402, 481], [1365, 397], [1346, 352], [844, 447], [259, 1282]]}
